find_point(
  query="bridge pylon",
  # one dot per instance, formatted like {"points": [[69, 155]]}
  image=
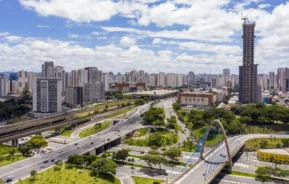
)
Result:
{"points": [[216, 121]]}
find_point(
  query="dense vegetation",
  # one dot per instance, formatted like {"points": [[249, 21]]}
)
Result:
{"points": [[266, 143], [154, 116], [264, 173]]}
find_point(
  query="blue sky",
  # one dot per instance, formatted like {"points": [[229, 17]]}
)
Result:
{"points": [[177, 36]]}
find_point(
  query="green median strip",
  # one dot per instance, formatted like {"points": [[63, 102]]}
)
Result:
{"points": [[95, 129], [141, 180]]}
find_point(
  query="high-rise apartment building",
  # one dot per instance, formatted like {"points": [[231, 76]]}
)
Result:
{"points": [[4, 87], [191, 78], [82, 76], [48, 70], [179, 79], [105, 77], [60, 73], [248, 88], [93, 90], [271, 80], [262, 82], [162, 79], [74, 78], [171, 80], [283, 79], [31, 78], [226, 72], [22, 81], [153, 80], [47, 95]]}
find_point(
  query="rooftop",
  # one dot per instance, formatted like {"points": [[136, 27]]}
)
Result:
{"points": [[154, 92], [276, 151]]}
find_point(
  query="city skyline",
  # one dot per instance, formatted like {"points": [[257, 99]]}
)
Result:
{"points": [[131, 36]]}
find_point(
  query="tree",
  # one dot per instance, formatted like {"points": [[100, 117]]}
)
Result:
{"points": [[262, 174], [154, 152], [104, 165], [139, 101], [263, 144], [33, 173], [158, 123], [25, 150], [156, 182], [285, 142], [37, 142], [106, 106], [173, 152], [121, 155]]}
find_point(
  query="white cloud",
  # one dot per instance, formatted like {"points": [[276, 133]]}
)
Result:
{"points": [[127, 41], [72, 35], [95, 33], [13, 38], [42, 26], [4, 34], [262, 6]]}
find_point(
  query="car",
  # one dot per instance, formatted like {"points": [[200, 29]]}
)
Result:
{"points": [[52, 160], [132, 167], [142, 152], [204, 174], [221, 155], [60, 151], [89, 137], [9, 178], [224, 156], [91, 143], [108, 139], [42, 166], [45, 161], [75, 144], [118, 131]]}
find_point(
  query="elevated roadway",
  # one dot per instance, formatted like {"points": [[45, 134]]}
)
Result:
{"points": [[90, 144], [205, 170], [19, 130]]}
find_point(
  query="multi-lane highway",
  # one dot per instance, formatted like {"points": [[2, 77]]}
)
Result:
{"points": [[21, 169], [206, 170]]}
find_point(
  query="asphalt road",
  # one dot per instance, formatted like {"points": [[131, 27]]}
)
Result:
{"points": [[21, 169], [206, 169]]}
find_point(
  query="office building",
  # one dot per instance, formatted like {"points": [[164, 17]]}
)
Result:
{"points": [[47, 95], [82, 76], [74, 78], [74, 96], [196, 99], [248, 72]]}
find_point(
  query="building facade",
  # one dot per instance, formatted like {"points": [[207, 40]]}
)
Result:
{"points": [[274, 155], [74, 96], [196, 99], [4, 87], [248, 72], [47, 95]]}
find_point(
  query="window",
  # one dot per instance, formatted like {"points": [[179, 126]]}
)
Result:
{"points": [[186, 99]]}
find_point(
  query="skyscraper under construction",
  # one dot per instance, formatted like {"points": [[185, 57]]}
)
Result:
{"points": [[249, 91]]}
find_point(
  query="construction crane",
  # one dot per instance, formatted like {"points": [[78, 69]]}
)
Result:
{"points": [[245, 18]]}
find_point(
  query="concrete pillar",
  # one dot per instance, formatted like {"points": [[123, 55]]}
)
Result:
{"points": [[15, 143], [57, 131]]}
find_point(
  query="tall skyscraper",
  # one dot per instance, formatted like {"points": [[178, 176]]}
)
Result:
{"points": [[93, 90], [60, 74], [171, 80], [191, 77], [226, 72], [248, 88]]}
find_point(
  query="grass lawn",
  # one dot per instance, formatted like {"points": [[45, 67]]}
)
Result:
{"points": [[142, 132], [70, 176], [239, 173], [4, 149], [167, 138], [254, 144], [140, 180], [112, 104], [11, 160], [18, 120], [120, 111], [94, 130]]}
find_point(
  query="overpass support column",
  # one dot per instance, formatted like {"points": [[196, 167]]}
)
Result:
{"points": [[15, 143], [57, 131]]}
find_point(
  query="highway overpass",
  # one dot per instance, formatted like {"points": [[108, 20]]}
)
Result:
{"points": [[205, 170], [109, 136], [15, 131]]}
